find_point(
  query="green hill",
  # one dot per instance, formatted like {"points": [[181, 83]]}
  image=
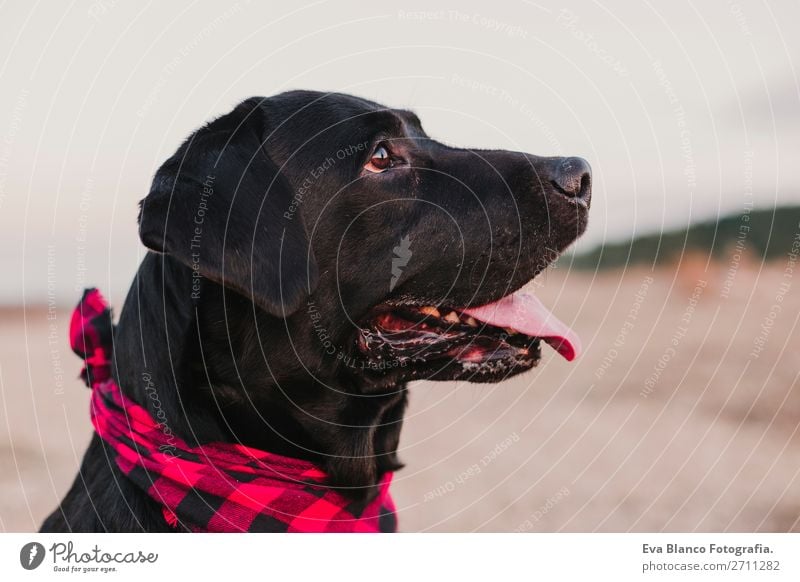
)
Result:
{"points": [[764, 234]]}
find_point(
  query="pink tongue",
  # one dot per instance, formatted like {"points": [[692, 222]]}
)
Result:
{"points": [[526, 314]]}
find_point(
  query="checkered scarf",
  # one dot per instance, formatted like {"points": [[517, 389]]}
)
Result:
{"points": [[216, 487]]}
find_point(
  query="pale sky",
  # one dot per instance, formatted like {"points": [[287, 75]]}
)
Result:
{"points": [[684, 110]]}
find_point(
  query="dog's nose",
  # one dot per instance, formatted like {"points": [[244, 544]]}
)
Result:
{"points": [[573, 176]]}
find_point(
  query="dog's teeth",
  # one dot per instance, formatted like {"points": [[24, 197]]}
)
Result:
{"points": [[452, 317], [470, 321], [509, 330], [430, 310]]}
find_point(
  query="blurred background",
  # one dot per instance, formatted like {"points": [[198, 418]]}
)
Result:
{"points": [[683, 412]]}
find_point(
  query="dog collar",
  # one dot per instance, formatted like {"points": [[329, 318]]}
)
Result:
{"points": [[215, 487]]}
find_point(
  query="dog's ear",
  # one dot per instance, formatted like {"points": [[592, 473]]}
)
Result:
{"points": [[221, 206]]}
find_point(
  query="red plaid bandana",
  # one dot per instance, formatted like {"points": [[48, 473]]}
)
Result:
{"points": [[216, 487]]}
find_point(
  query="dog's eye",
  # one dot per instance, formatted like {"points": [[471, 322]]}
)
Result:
{"points": [[380, 160]]}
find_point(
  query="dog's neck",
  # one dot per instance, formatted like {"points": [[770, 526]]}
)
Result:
{"points": [[198, 358]]}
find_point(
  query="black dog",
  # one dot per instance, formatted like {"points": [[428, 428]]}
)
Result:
{"points": [[312, 254]]}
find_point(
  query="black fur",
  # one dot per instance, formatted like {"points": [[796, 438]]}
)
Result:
{"points": [[249, 335]]}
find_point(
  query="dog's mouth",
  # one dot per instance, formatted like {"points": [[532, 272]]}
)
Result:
{"points": [[498, 339]]}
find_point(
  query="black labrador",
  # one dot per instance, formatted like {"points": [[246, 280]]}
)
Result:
{"points": [[311, 254]]}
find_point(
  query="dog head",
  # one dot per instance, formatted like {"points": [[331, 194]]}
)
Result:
{"points": [[381, 254]]}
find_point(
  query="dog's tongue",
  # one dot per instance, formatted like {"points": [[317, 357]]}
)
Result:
{"points": [[526, 314]]}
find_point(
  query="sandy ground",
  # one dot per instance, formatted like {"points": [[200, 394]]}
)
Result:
{"points": [[681, 415]]}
